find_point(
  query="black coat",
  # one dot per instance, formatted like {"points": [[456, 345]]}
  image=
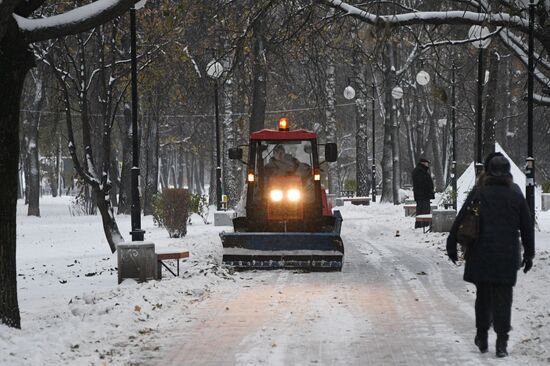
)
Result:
{"points": [[423, 185], [496, 256]]}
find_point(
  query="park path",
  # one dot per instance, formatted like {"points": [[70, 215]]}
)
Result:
{"points": [[394, 303]]}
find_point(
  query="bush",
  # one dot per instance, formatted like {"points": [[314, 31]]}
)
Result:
{"points": [[350, 185], [449, 196], [171, 210], [199, 205], [545, 186]]}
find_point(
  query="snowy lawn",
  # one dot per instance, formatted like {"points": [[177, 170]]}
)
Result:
{"points": [[73, 311]]}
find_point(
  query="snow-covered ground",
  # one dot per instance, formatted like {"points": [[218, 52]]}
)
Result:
{"points": [[74, 313]]}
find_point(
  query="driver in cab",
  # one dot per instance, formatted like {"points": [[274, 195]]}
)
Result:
{"points": [[281, 163]]}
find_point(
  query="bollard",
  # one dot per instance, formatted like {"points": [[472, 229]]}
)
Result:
{"points": [[545, 198], [224, 218], [136, 260], [442, 220]]}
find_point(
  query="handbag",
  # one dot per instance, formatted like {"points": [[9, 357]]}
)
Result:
{"points": [[468, 230]]}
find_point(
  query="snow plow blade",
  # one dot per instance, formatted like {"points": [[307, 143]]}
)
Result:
{"points": [[322, 251]]}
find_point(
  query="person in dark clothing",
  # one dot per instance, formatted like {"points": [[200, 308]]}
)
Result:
{"points": [[493, 261], [281, 163], [423, 189]]}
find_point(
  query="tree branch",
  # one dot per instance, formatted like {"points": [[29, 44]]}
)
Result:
{"points": [[72, 22], [438, 18]]}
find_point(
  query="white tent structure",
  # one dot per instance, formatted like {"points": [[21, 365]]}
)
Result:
{"points": [[466, 181]]}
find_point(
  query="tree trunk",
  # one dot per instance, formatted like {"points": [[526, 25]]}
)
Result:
{"points": [[124, 199], [32, 163], [361, 153], [189, 172], [259, 76], [230, 167], [58, 183], [198, 188], [151, 167], [212, 188], [410, 139], [488, 145], [436, 153], [110, 227], [202, 168], [387, 190], [20, 189], [15, 62], [30, 129], [396, 159], [115, 177], [331, 135]]}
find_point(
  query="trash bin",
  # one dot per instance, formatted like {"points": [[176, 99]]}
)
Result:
{"points": [[136, 260], [442, 220]]}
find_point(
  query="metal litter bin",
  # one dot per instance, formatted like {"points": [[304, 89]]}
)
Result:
{"points": [[136, 260]]}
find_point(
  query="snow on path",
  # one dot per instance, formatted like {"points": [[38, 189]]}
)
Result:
{"points": [[398, 300]]}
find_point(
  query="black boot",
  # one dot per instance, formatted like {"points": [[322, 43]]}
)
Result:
{"points": [[502, 343], [481, 340]]}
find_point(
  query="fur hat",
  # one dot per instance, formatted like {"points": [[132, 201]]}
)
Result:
{"points": [[498, 166], [488, 159]]}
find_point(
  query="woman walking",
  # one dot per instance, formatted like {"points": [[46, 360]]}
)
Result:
{"points": [[493, 260]]}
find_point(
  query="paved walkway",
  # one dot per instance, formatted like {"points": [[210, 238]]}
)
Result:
{"points": [[391, 305]]}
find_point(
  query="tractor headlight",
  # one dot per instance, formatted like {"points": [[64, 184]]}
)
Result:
{"points": [[293, 195], [276, 195]]}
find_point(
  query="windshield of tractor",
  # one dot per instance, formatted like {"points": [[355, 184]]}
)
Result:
{"points": [[287, 158]]}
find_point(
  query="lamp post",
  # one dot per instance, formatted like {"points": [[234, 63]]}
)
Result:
{"points": [[214, 70], [137, 233], [530, 161], [479, 34]]}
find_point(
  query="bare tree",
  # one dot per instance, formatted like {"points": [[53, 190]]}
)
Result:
{"points": [[16, 33]]}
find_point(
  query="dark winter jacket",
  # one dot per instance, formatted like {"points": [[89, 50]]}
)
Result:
{"points": [[496, 256], [285, 166], [423, 185]]}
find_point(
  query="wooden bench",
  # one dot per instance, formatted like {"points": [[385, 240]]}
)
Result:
{"points": [[410, 209], [423, 219], [365, 201], [164, 254]]}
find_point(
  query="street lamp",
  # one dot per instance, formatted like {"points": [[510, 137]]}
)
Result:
{"points": [[480, 34], [137, 233], [214, 70], [530, 161], [397, 92], [349, 92], [422, 78]]}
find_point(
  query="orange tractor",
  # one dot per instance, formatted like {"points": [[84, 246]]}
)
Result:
{"points": [[288, 222]]}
